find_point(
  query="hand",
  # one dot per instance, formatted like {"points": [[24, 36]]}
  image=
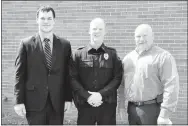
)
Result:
{"points": [[95, 99], [20, 110], [93, 103], [163, 121], [67, 106]]}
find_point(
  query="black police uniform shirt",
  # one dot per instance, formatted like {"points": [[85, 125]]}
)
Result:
{"points": [[97, 71]]}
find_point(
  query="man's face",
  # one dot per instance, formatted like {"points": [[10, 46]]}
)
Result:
{"points": [[97, 32], [45, 21], [143, 38]]}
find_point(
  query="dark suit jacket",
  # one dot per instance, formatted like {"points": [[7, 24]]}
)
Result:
{"points": [[34, 81]]}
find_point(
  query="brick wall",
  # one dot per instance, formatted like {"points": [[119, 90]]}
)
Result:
{"points": [[167, 18]]}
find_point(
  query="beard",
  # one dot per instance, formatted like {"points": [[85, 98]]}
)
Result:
{"points": [[142, 47]]}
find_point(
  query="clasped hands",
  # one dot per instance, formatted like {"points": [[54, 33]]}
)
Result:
{"points": [[95, 99]]}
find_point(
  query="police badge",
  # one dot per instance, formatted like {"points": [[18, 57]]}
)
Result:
{"points": [[106, 56]]}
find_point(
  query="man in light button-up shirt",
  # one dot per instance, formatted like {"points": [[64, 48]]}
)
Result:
{"points": [[151, 80]]}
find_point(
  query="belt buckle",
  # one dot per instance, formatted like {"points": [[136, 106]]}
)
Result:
{"points": [[140, 103]]}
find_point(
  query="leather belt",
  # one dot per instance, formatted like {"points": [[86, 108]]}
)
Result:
{"points": [[144, 102]]}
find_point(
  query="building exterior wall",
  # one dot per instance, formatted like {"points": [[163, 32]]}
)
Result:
{"points": [[167, 18]]}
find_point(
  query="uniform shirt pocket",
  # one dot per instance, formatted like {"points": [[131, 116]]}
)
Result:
{"points": [[106, 64], [86, 63], [106, 68]]}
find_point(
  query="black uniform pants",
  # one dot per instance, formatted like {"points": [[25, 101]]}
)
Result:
{"points": [[48, 116], [144, 114], [102, 115]]}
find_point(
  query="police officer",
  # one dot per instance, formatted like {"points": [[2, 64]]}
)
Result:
{"points": [[96, 74]]}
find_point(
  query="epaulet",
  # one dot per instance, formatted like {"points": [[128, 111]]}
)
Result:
{"points": [[111, 48], [80, 47]]}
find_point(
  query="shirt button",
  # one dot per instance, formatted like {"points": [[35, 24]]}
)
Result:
{"points": [[95, 81], [95, 73]]}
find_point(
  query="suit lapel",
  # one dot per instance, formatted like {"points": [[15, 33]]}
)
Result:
{"points": [[40, 48], [55, 49]]}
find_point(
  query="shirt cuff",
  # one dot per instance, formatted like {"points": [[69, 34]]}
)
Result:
{"points": [[164, 113], [86, 95], [102, 92], [68, 100]]}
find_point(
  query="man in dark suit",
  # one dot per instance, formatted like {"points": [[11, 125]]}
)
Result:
{"points": [[42, 87]]}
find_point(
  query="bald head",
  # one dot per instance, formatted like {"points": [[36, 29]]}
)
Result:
{"points": [[144, 27]]}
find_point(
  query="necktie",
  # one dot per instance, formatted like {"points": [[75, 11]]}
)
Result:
{"points": [[47, 52]]}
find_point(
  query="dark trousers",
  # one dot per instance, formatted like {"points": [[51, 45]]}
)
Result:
{"points": [[144, 114], [102, 115], [48, 116]]}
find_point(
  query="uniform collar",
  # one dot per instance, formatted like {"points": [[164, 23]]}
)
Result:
{"points": [[102, 48]]}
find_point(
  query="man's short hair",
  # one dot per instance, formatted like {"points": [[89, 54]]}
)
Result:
{"points": [[144, 26], [97, 20], [45, 9]]}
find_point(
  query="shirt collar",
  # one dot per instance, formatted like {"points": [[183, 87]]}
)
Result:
{"points": [[50, 37], [103, 47]]}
